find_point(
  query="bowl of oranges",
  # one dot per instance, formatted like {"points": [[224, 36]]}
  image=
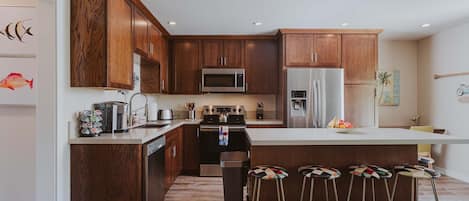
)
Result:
{"points": [[340, 125]]}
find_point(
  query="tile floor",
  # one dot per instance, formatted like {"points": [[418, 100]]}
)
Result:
{"points": [[211, 189]]}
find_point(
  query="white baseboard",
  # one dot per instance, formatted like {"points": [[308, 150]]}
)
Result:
{"points": [[454, 174]]}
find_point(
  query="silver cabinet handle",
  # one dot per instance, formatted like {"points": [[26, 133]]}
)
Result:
{"points": [[174, 151], [221, 61], [246, 89], [151, 48], [316, 57], [312, 57], [224, 62], [162, 84]]}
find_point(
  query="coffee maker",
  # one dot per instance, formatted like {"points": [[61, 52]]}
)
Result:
{"points": [[114, 116]]}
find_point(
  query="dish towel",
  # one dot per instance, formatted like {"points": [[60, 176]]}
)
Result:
{"points": [[223, 133]]}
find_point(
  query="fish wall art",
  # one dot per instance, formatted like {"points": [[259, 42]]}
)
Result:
{"points": [[16, 31], [15, 80]]}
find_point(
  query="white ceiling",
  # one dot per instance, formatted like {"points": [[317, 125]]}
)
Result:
{"points": [[400, 19]]}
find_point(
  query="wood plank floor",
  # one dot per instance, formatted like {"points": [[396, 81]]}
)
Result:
{"points": [[211, 189]]}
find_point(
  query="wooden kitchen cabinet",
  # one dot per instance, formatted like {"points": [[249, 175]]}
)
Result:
{"points": [[173, 156], [101, 44], [261, 66], [313, 50], [150, 77], [360, 58], [222, 53], [154, 49], [360, 106], [141, 32], [106, 172], [186, 66], [191, 150]]}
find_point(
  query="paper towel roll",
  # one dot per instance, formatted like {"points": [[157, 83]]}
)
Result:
{"points": [[153, 112]]}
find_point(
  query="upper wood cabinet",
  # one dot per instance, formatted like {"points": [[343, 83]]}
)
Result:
{"points": [[222, 53], [155, 37], [360, 58], [141, 32], [261, 66], [186, 65], [101, 44], [312, 50]]}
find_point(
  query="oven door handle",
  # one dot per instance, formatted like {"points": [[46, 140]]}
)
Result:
{"points": [[215, 129]]}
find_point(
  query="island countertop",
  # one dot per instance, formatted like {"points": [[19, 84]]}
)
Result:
{"points": [[358, 136]]}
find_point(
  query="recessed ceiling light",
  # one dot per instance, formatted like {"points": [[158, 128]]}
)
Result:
{"points": [[257, 23], [345, 24], [425, 25], [172, 23]]}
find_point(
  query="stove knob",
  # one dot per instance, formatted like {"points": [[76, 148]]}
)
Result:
{"points": [[207, 110], [213, 110], [239, 110], [234, 110]]}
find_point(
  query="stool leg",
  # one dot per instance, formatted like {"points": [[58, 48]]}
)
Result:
{"points": [[386, 185], [335, 190], [435, 193], [254, 189], [364, 190], [373, 189], [413, 190], [394, 188], [327, 191], [283, 191], [277, 185], [350, 188], [303, 188], [311, 190], [259, 189]]}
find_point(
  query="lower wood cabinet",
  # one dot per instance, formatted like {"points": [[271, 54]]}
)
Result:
{"points": [[191, 150], [360, 105], [106, 172], [173, 156]]}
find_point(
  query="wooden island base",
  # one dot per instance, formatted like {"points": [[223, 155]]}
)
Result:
{"points": [[340, 157]]}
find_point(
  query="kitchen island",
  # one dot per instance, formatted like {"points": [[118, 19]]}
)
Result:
{"points": [[294, 147]]}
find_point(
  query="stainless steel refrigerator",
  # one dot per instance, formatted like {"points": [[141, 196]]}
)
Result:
{"points": [[314, 96]]}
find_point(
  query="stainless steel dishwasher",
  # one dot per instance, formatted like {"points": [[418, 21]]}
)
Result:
{"points": [[154, 169]]}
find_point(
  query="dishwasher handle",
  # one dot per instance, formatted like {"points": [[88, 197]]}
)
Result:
{"points": [[156, 145]]}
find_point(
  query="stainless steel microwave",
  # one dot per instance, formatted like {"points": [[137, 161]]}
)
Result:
{"points": [[224, 80]]}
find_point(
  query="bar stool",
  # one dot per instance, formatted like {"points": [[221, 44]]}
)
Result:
{"points": [[319, 172], [372, 172], [416, 172], [265, 172]]}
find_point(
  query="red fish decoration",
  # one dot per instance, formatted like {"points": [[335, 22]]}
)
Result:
{"points": [[15, 80]]}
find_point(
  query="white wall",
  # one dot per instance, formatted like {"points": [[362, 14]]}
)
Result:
{"points": [[17, 153], [17, 143], [402, 56], [446, 52]]}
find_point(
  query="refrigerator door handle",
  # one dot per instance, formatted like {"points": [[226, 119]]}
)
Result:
{"points": [[315, 104]]}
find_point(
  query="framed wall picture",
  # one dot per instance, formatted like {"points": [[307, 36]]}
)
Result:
{"points": [[18, 65], [389, 89], [17, 32]]}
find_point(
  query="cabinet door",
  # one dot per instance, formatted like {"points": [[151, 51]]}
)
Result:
{"points": [[359, 58], [164, 81], [169, 164], [154, 51], [212, 53], [141, 32], [327, 49], [191, 150], [179, 151], [360, 105], [299, 50], [233, 53], [149, 77], [186, 67], [120, 45], [261, 66]]}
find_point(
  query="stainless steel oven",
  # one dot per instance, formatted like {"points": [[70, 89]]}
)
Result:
{"points": [[210, 149], [224, 80]]}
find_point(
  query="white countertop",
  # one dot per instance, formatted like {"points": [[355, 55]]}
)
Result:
{"points": [[144, 135], [359, 136], [134, 136], [264, 122]]}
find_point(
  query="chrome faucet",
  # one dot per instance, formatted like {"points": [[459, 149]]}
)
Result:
{"points": [[130, 121]]}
